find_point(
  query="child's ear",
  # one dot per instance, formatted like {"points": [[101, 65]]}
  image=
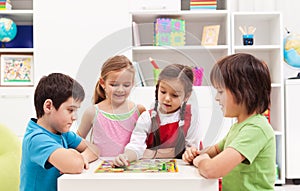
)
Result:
{"points": [[102, 83], [48, 105]]}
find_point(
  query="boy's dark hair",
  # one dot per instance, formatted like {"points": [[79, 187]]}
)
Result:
{"points": [[57, 87], [186, 76], [247, 78]]}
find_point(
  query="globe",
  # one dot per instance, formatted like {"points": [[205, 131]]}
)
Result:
{"points": [[292, 50], [8, 30]]}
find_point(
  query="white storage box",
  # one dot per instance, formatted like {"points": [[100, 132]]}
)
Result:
{"points": [[169, 5]]}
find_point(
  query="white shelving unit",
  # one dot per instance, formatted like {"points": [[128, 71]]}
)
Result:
{"points": [[268, 47], [19, 97], [292, 87], [192, 53]]}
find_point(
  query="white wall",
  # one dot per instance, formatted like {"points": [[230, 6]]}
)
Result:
{"points": [[76, 37], [67, 30]]}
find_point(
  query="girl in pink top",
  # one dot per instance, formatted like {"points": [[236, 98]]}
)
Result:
{"points": [[112, 118]]}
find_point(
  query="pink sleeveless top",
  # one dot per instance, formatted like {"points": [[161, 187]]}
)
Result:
{"points": [[111, 132]]}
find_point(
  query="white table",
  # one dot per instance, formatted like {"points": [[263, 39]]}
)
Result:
{"points": [[187, 179]]}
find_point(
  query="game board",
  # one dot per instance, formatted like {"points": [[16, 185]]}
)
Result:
{"points": [[143, 165]]}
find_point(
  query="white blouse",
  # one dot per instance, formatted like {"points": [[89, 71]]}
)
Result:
{"points": [[143, 127]]}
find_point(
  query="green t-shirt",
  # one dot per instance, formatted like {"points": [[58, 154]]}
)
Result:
{"points": [[254, 138], [10, 158]]}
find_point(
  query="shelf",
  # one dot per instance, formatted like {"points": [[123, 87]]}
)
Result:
{"points": [[194, 23], [257, 47], [185, 48], [16, 50], [268, 27], [20, 17], [149, 16]]}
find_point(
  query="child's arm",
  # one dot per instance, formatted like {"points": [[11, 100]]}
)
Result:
{"points": [[220, 165], [89, 151], [67, 160], [86, 122], [73, 161], [160, 153]]}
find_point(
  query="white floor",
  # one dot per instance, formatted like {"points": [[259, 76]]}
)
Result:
{"points": [[288, 187]]}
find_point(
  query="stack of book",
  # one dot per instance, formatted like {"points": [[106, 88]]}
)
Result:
{"points": [[169, 32], [203, 4], [5, 5]]}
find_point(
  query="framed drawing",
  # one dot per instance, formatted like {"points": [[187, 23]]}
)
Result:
{"points": [[16, 70], [210, 35]]}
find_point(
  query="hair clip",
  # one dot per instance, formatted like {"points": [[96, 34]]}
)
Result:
{"points": [[153, 114], [181, 123]]}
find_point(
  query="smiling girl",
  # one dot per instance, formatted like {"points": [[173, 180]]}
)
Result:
{"points": [[112, 117]]}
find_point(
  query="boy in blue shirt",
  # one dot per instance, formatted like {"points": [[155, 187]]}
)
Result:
{"points": [[49, 149]]}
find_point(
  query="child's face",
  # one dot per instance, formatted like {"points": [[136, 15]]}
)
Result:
{"points": [[61, 120], [170, 95], [118, 85], [227, 103]]}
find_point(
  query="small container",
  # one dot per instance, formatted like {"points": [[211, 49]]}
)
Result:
{"points": [[198, 76], [248, 39], [156, 72]]}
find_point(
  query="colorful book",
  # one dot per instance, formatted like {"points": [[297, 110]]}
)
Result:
{"points": [[203, 4]]}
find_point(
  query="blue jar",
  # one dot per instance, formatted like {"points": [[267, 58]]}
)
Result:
{"points": [[248, 39]]}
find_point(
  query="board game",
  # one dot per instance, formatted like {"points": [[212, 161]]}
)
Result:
{"points": [[143, 165]]}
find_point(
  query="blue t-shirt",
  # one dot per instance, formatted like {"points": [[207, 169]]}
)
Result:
{"points": [[38, 144]]}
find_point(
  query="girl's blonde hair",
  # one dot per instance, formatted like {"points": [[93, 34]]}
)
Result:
{"points": [[113, 64]]}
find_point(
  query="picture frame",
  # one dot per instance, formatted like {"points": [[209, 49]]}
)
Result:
{"points": [[16, 70], [210, 35]]}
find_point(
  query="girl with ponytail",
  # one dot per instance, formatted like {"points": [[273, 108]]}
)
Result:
{"points": [[112, 117], [167, 129]]}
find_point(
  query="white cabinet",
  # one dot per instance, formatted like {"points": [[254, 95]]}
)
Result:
{"points": [[16, 103], [267, 47], [192, 53], [292, 91]]}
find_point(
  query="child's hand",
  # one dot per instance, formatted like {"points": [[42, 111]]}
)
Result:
{"points": [[121, 160], [199, 158], [189, 154], [86, 163]]}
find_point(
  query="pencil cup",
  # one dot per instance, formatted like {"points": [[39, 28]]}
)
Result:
{"points": [[198, 75], [156, 72], [248, 39]]}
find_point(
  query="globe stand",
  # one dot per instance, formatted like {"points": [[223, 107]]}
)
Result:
{"points": [[3, 45]]}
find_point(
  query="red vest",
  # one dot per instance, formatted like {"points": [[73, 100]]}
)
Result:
{"points": [[169, 132]]}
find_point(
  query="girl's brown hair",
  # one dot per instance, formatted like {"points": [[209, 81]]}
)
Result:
{"points": [[247, 78], [113, 64]]}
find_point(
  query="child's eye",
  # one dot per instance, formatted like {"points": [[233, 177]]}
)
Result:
{"points": [[114, 85], [163, 92], [175, 95], [126, 85]]}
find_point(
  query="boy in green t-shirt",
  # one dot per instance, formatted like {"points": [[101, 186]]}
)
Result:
{"points": [[246, 157]]}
